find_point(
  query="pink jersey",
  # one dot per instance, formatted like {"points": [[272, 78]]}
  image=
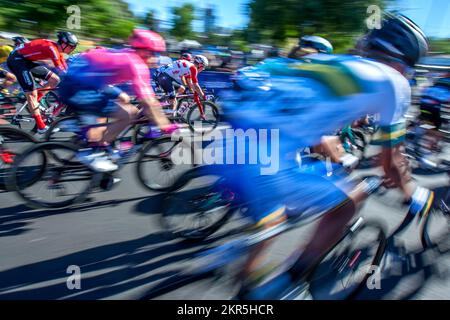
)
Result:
{"points": [[182, 68], [111, 67]]}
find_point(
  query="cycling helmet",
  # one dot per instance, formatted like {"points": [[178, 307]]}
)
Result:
{"points": [[67, 38], [4, 53], [399, 38], [19, 40], [187, 56], [146, 39], [318, 43], [201, 60]]}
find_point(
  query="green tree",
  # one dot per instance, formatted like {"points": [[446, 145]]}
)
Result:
{"points": [[182, 21], [99, 18], [150, 20], [277, 20]]}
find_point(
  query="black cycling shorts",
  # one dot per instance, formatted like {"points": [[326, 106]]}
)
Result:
{"points": [[26, 70], [431, 113], [168, 84]]}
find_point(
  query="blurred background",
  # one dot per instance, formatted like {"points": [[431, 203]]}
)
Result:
{"points": [[232, 33]]}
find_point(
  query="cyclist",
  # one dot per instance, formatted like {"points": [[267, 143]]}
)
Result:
{"points": [[309, 98], [26, 63], [432, 101], [182, 74], [311, 44], [88, 88], [8, 77]]}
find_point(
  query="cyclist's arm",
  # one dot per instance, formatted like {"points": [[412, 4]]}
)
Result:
{"points": [[57, 58], [140, 77], [193, 82]]}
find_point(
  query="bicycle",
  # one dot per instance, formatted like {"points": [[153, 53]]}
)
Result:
{"points": [[62, 169], [345, 265], [49, 106], [13, 141], [201, 117]]}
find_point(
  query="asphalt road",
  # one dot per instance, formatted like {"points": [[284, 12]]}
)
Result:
{"points": [[116, 240]]}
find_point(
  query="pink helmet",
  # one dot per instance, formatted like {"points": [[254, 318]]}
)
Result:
{"points": [[146, 39]]}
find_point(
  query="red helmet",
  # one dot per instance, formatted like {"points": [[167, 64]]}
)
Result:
{"points": [[149, 40]]}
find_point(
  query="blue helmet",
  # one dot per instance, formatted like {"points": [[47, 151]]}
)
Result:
{"points": [[320, 44]]}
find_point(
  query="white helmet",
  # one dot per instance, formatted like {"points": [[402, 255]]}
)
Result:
{"points": [[201, 60]]}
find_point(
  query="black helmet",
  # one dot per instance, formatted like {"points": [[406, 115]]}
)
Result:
{"points": [[398, 37], [19, 40], [67, 38]]}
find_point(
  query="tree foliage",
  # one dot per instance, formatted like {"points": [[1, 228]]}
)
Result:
{"points": [[183, 18], [99, 18], [277, 20]]}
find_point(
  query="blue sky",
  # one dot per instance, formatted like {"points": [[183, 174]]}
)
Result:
{"points": [[432, 15]]}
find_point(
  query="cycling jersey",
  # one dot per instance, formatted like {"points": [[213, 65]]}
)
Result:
{"points": [[41, 49], [181, 68], [298, 102], [307, 99], [101, 67], [89, 84]]}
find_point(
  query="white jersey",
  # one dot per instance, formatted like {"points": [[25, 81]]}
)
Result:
{"points": [[181, 68], [306, 100]]}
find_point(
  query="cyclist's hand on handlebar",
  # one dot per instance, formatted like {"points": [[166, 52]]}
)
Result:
{"points": [[169, 129]]}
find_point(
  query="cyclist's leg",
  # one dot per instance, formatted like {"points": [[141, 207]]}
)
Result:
{"points": [[121, 110], [167, 84], [52, 80], [21, 68]]}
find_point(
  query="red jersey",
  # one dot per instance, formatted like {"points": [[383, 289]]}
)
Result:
{"points": [[42, 49]]}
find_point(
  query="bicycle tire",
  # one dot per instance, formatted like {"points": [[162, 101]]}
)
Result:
{"points": [[22, 135], [348, 260], [426, 238], [48, 148], [225, 197], [215, 112], [164, 161]]}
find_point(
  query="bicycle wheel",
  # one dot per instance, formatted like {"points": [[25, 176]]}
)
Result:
{"points": [[435, 229], [162, 161], [63, 130], [209, 123], [345, 270], [203, 203], [60, 185], [13, 142]]}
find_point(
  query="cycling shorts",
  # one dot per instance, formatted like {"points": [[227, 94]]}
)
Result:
{"points": [[26, 71], [431, 113], [168, 84]]}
